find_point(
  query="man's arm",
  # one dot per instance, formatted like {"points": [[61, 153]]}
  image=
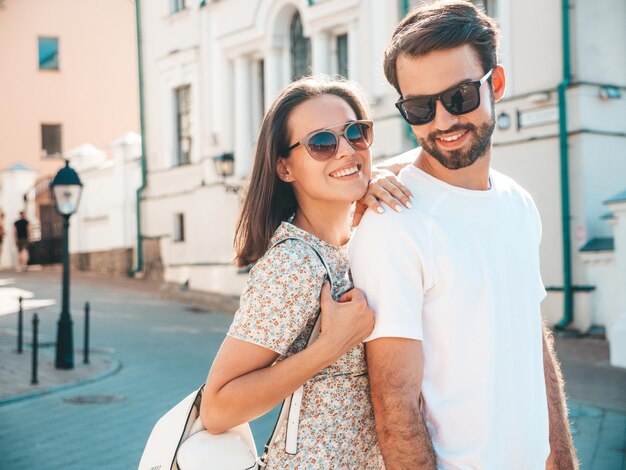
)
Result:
{"points": [[562, 453], [395, 368]]}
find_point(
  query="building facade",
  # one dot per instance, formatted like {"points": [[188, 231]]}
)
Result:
{"points": [[69, 77], [213, 67]]}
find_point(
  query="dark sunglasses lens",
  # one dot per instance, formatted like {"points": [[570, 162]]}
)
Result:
{"points": [[419, 111], [359, 135], [462, 99], [322, 145]]}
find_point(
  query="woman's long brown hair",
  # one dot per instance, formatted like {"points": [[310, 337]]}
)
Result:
{"points": [[269, 200]]}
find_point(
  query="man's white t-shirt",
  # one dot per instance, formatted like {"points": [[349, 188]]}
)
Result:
{"points": [[460, 272]]}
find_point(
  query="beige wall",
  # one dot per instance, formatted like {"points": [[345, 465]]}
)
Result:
{"points": [[94, 94]]}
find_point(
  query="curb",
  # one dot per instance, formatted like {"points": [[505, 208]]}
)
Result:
{"points": [[114, 367]]}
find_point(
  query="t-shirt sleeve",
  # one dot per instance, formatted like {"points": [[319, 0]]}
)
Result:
{"points": [[280, 297], [388, 269]]}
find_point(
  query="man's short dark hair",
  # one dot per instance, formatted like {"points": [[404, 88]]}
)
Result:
{"points": [[442, 25]]}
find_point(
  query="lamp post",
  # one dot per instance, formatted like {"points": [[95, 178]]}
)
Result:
{"points": [[66, 189], [225, 167]]}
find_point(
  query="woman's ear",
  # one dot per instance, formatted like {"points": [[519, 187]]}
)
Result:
{"points": [[282, 170]]}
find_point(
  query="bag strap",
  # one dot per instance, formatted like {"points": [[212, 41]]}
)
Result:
{"points": [[290, 408]]}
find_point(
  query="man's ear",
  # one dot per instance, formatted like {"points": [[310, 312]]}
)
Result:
{"points": [[282, 170], [498, 82]]}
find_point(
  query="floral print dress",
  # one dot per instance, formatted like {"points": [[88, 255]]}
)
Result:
{"points": [[277, 311]]}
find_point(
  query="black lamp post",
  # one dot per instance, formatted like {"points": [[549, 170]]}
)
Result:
{"points": [[225, 167], [66, 189]]}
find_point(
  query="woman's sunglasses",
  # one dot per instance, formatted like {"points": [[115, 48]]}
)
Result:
{"points": [[459, 99], [323, 144]]}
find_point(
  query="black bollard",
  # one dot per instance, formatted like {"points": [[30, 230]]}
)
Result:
{"points": [[34, 380], [20, 328], [86, 348]]}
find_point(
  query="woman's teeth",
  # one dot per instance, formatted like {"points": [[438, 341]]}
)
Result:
{"points": [[344, 172]]}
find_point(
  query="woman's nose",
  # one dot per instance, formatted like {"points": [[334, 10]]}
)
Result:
{"points": [[344, 149]]}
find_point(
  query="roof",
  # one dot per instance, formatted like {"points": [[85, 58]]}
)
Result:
{"points": [[19, 167], [598, 244], [85, 151], [621, 197], [130, 138]]}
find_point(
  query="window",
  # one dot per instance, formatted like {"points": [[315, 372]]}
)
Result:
{"points": [[50, 140], [342, 55], [48, 53], [177, 5], [183, 125], [179, 227], [300, 49]]}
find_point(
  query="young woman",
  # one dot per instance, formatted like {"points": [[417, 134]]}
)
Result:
{"points": [[312, 163]]}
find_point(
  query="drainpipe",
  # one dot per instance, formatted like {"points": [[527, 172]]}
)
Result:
{"points": [[568, 295], [139, 261], [405, 7]]}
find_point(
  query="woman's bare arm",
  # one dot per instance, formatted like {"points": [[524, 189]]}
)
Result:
{"points": [[243, 384]]}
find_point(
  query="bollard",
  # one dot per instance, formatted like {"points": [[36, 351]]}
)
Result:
{"points": [[86, 347], [20, 328], [34, 380]]}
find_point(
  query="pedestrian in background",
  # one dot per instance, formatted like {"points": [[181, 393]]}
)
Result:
{"points": [[22, 235]]}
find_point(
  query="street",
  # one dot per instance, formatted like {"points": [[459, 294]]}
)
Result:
{"points": [[165, 350]]}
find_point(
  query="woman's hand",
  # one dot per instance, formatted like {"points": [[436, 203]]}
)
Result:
{"points": [[345, 323], [386, 187]]}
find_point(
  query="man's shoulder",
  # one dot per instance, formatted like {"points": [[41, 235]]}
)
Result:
{"points": [[506, 184], [411, 227]]}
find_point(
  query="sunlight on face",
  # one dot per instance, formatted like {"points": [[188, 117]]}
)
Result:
{"points": [[454, 141], [342, 178]]}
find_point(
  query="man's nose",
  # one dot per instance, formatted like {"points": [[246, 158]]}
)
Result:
{"points": [[444, 120]]}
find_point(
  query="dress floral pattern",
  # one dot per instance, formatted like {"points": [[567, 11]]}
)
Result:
{"points": [[277, 311]]}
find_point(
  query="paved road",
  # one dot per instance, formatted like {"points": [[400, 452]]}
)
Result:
{"points": [[166, 350]]}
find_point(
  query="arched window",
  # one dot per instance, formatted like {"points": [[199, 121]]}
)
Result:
{"points": [[300, 49]]}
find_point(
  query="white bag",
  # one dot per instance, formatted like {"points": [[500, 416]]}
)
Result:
{"points": [[179, 440], [196, 448], [168, 449]]}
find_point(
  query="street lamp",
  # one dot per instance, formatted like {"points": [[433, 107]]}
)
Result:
{"points": [[66, 188], [225, 167], [224, 164]]}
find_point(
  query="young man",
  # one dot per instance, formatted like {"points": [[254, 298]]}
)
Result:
{"points": [[22, 235], [460, 373]]}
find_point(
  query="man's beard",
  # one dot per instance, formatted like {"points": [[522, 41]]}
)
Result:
{"points": [[457, 159]]}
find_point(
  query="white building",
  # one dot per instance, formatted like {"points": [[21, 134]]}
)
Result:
{"points": [[210, 71], [212, 67], [104, 229]]}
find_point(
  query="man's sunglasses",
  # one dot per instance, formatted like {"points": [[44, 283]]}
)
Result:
{"points": [[460, 99], [323, 144]]}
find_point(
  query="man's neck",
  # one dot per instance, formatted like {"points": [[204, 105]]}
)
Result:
{"points": [[474, 177]]}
